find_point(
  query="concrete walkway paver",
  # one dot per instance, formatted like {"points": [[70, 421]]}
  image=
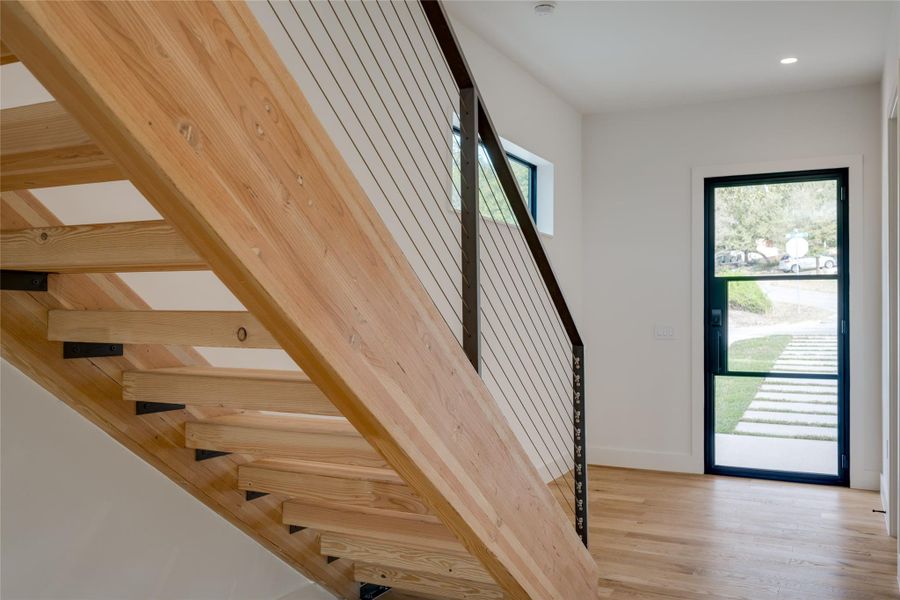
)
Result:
{"points": [[793, 407]]}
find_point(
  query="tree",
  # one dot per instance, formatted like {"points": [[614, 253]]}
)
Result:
{"points": [[746, 215]]}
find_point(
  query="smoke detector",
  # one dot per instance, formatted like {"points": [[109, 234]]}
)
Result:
{"points": [[544, 9]]}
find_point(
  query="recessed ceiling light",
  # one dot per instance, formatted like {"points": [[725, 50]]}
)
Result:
{"points": [[789, 60], [544, 8]]}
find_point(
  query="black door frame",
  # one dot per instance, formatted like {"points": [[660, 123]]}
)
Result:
{"points": [[713, 360]]}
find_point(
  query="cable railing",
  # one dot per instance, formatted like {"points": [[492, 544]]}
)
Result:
{"points": [[389, 81]]}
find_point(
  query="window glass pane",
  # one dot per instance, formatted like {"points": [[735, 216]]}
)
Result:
{"points": [[757, 429], [493, 202], [522, 173], [776, 229], [783, 326]]}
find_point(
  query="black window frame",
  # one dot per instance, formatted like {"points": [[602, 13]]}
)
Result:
{"points": [[532, 183], [712, 281], [531, 201]]}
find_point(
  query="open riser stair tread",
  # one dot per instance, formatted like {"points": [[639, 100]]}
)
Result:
{"points": [[330, 469], [415, 557], [43, 146], [222, 329], [98, 248], [6, 55], [283, 436], [399, 527], [329, 489], [411, 581], [244, 389]]}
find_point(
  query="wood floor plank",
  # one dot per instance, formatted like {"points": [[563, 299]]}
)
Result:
{"points": [[679, 536]]}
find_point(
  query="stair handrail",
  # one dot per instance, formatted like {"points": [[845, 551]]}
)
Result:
{"points": [[473, 106]]}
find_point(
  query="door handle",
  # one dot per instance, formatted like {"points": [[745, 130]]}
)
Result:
{"points": [[718, 352]]}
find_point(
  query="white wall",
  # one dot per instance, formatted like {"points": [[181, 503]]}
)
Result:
{"points": [[890, 426], [638, 265], [82, 517]]}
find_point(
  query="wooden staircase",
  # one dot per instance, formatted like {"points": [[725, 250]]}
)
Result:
{"points": [[385, 461], [285, 439]]}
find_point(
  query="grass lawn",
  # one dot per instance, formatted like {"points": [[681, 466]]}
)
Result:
{"points": [[734, 394]]}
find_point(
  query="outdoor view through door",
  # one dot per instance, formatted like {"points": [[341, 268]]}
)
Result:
{"points": [[776, 326]]}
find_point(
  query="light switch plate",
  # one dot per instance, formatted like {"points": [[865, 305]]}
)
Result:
{"points": [[664, 332]]}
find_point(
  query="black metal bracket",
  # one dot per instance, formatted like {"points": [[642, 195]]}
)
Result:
{"points": [[580, 450], [370, 591], [251, 495], [147, 408], [201, 454], [292, 529], [91, 350], [470, 217], [23, 281]]}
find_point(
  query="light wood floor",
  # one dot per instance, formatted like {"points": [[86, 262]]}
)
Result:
{"points": [[670, 536], [665, 536]]}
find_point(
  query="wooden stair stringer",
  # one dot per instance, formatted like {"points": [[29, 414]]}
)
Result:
{"points": [[93, 387], [266, 259]]}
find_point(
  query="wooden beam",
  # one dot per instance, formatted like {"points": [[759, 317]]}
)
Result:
{"points": [[223, 329], [92, 387], [412, 581], [402, 528], [214, 131], [103, 248], [332, 489], [43, 146], [414, 557], [244, 389], [325, 439], [6, 56]]}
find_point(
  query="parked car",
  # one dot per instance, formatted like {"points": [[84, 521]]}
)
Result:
{"points": [[789, 264], [730, 258]]}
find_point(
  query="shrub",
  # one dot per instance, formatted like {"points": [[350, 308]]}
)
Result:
{"points": [[748, 296]]}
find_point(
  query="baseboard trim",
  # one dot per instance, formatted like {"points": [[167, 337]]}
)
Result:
{"points": [[865, 479], [680, 462], [684, 462]]}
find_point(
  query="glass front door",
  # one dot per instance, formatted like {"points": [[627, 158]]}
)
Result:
{"points": [[776, 326]]}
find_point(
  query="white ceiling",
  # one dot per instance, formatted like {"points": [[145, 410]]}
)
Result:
{"points": [[609, 56]]}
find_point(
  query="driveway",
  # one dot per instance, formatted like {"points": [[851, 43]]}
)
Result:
{"points": [[785, 292]]}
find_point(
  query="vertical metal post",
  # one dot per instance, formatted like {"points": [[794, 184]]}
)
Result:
{"points": [[468, 166], [581, 492]]}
